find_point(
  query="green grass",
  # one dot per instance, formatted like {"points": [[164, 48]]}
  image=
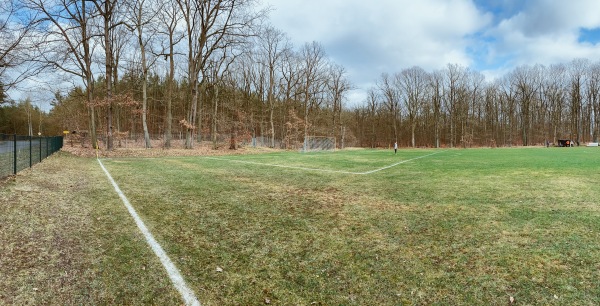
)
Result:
{"points": [[465, 227]]}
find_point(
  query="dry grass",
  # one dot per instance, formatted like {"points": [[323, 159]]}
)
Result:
{"points": [[65, 241]]}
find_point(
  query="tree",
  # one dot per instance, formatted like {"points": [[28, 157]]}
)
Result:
{"points": [[69, 46], [142, 13], [17, 37], [169, 21], [373, 101], [454, 94], [492, 114], [211, 25], [524, 80], [338, 86], [290, 87], [273, 45], [593, 96], [391, 101], [412, 84], [554, 97], [108, 13], [313, 61], [216, 68], [476, 93], [577, 73], [436, 88]]}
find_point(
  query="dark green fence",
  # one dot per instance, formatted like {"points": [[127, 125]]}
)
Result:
{"points": [[21, 152]]}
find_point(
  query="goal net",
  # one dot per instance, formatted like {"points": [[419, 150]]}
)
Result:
{"points": [[319, 143]]}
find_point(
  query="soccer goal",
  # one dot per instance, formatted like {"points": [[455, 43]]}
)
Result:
{"points": [[319, 143]]}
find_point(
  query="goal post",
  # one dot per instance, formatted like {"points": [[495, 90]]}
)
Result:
{"points": [[319, 143]]}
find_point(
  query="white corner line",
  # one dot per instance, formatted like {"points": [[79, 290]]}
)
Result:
{"points": [[186, 293], [322, 170]]}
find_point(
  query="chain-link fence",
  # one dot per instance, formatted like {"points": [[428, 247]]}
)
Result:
{"points": [[21, 152]]}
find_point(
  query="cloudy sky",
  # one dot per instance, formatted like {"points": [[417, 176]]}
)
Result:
{"points": [[369, 38]]}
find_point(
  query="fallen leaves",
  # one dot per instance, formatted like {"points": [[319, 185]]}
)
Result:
{"points": [[132, 148]]}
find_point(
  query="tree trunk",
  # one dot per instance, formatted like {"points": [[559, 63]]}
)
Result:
{"points": [[413, 127], [89, 80], [107, 16], [144, 89], [233, 139], [189, 134], [214, 121], [169, 98]]}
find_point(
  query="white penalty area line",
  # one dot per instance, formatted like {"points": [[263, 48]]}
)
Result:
{"points": [[186, 293], [323, 170]]}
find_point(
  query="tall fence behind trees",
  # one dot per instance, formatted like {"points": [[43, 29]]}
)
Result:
{"points": [[21, 152]]}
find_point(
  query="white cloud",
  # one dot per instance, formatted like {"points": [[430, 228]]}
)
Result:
{"points": [[493, 36], [547, 32], [372, 37]]}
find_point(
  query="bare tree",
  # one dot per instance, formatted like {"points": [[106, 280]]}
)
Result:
{"points": [[338, 86], [314, 61], [170, 18], [436, 80], [290, 87], [524, 80], [373, 101], [217, 66], [454, 93], [108, 13], [391, 100], [412, 84], [476, 93], [492, 114], [593, 97], [554, 97], [211, 25], [122, 42], [142, 14], [577, 80], [259, 83], [17, 31], [273, 44], [68, 44]]}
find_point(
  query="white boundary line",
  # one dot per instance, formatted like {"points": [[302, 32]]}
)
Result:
{"points": [[186, 293], [323, 170]]}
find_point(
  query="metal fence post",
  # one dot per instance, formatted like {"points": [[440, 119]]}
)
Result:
{"points": [[15, 154], [30, 152]]}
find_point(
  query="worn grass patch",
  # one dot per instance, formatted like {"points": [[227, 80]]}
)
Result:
{"points": [[462, 227], [68, 240]]}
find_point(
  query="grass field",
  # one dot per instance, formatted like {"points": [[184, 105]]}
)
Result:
{"points": [[462, 227]]}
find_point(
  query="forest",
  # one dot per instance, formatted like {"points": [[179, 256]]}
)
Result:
{"points": [[215, 70]]}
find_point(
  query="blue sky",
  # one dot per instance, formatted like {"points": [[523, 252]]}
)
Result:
{"points": [[491, 36]]}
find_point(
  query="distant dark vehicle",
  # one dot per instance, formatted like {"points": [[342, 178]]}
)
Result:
{"points": [[566, 143]]}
